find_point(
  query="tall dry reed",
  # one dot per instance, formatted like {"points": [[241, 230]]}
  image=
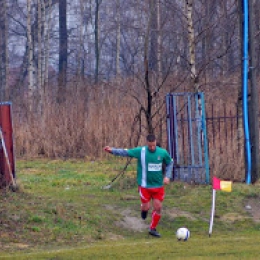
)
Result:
{"points": [[91, 117]]}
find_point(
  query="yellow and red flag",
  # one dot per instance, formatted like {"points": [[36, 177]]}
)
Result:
{"points": [[218, 184]]}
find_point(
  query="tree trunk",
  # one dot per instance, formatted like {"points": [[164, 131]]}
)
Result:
{"points": [[153, 36], [240, 130], [97, 50], [39, 37], [118, 38], [159, 43], [63, 50], [80, 69], [3, 52], [148, 110], [97, 45], [31, 67], [257, 28], [254, 102], [47, 21], [191, 39]]}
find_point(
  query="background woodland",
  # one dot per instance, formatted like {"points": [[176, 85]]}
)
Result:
{"points": [[88, 73]]}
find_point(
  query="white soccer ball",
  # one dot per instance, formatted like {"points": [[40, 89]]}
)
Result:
{"points": [[183, 234]]}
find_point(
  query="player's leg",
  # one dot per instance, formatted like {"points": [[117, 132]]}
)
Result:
{"points": [[158, 197], [144, 209], [156, 214], [145, 201]]}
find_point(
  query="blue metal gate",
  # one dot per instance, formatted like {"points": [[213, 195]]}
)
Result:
{"points": [[187, 136]]}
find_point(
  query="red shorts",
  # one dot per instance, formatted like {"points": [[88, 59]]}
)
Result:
{"points": [[146, 194]]}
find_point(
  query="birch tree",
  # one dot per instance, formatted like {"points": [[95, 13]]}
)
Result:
{"points": [[191, 44], [31, 65], [46, 31], [40, 43]]}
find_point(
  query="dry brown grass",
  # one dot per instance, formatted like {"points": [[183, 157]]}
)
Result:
{"points": [[82, 125], [94, 116], [227, 163]]}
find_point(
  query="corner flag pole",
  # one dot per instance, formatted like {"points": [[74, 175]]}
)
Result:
{"points": [[217, 184], [212, 211]]}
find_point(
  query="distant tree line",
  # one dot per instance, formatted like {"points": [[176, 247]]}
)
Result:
{"points": [[52, 50]]}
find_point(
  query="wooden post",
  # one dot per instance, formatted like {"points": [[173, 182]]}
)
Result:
{"points": [[253, 112], [7, 130]]}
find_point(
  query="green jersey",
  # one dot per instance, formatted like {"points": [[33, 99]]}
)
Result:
{"points": [[149, 165]]}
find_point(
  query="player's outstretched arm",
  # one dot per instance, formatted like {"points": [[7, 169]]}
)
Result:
{"points": [[116, 151]]}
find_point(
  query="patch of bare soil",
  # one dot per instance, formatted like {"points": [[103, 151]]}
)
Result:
{"points": [[131, 222]]}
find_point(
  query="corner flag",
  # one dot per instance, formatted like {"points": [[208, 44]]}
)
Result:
{"points": [[217, 184]]}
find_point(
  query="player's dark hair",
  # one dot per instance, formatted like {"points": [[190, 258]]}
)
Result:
{"points": [[150, 138]]}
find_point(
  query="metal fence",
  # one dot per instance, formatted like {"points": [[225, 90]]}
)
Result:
{"points": [[223, 129], [187, 136], [225, 141]]}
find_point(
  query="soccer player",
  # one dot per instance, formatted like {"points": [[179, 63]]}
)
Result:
{"points": [[150, 177]]}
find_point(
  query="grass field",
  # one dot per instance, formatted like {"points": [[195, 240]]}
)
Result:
{"points": [[61, 212]]}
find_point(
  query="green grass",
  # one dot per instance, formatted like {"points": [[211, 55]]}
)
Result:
{"points": [[61, 212], [242, 247]]}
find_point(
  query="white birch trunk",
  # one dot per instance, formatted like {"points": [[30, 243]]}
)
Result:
{"points": [[31, 70], [47, 22], [191, 39], [39, 72], [40, 55]]}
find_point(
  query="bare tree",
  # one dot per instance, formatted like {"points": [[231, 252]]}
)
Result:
{"points": [[159, 41], [46, 29], [192, 46], [3, 51], [257, 28], [152, 30], [118, 37], [97, 43], [80, 65], [63, 50], [31, 65], [39, 38]]}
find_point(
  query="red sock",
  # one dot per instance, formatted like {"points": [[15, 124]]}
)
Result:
{"points": [[155, 219]]}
